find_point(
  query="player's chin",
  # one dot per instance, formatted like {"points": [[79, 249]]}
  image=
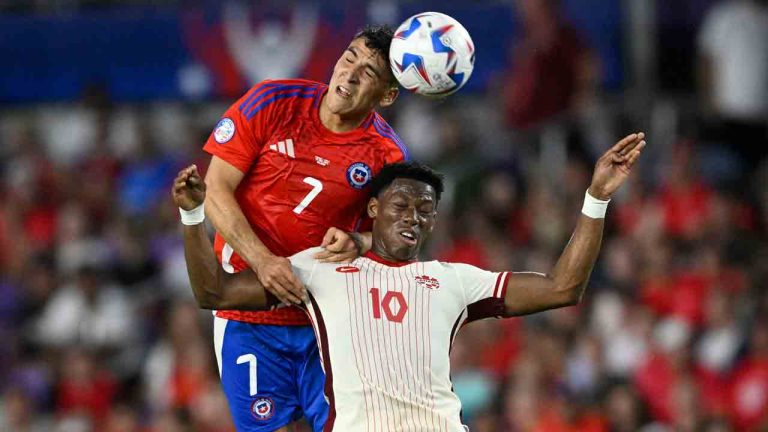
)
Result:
{"points": [[340, 105], [406, 252], [346, 106]]}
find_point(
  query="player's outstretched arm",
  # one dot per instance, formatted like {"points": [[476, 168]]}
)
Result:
{"points": [[212, 287], [274, 272], [530, 292]]}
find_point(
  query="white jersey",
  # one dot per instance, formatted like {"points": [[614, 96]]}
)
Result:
{"points": [[385, 331]]}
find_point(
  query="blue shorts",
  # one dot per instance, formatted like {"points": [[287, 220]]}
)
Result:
{"points": [[271, 375]]}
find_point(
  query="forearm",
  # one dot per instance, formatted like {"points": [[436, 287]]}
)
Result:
{"points": [[225, 214], [211, 286], [202, 267], [571, 273], [531, 292]]}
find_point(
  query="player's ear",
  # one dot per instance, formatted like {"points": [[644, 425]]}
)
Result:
{"points": [[431, 226], [373, 207], [389, 97]]}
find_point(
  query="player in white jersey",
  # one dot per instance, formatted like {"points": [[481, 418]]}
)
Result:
{"points": [[385, 322]]}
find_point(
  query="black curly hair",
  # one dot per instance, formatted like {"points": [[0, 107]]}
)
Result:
{"points": [[407, 170]]}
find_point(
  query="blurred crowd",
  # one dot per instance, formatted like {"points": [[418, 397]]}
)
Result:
{"points": [[100, 332]]}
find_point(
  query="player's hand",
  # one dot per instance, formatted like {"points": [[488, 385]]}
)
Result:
{"points": [[276, 274], [339, 246], [613, 168], [188, 188]]}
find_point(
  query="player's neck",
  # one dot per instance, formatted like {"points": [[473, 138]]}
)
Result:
{"points": [[338, 123], [381, 255]]}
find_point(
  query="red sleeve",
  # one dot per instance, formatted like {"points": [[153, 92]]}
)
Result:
{"points": [[240, 134], [395, 155], [394, 148]]}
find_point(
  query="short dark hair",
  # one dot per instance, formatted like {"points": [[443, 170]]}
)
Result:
{"points": [[407, 170], [378, 38]]}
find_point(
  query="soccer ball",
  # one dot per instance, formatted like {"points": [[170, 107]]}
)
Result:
{"points": [[432, 54]]}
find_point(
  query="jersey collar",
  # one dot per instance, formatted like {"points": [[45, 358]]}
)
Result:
{"points": [[375, 257]]}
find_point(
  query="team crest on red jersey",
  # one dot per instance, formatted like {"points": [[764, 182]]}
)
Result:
{"points": [[347, 269], [427, 282], [358, 175], [263, 408]]}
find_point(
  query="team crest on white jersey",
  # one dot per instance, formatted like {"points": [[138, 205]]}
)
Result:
{"points": [[427, 282], [224, 131], [263, 408], [358, 175]]}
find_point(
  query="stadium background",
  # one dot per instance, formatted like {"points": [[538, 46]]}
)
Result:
{"points": [[101, 102]]}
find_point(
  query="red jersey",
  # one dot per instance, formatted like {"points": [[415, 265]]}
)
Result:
{"points": [[300, 178]]}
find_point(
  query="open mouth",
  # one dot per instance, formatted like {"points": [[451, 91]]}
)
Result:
{"points": [[343, 92], [410, 238]]}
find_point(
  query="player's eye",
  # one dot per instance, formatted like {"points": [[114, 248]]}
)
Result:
{"points": [[370, 74]]}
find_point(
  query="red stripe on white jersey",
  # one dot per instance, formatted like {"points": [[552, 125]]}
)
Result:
{"points": [[503, 290], [322, 335], [498, 283]]}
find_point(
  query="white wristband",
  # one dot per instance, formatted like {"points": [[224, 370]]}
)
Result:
{"points": [[593, 207], [195, 216]]}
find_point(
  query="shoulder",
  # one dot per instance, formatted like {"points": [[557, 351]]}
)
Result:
{"points": [[452, 266], [305, 257], [275, 93], [462, 270], [438, 268], [393, 146]]}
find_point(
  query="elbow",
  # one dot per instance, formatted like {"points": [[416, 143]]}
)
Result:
{"points": [[208, 300], [213, 194], [207, 303], [216, 189], [217, 199], [218, 303], [212, 190], [574, 299], [570, 295]]}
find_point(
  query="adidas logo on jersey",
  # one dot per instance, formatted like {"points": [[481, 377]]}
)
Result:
{"points": [[284, 147]]}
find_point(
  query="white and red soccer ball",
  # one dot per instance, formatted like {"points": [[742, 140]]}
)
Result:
{"points": [[432, 54]]}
